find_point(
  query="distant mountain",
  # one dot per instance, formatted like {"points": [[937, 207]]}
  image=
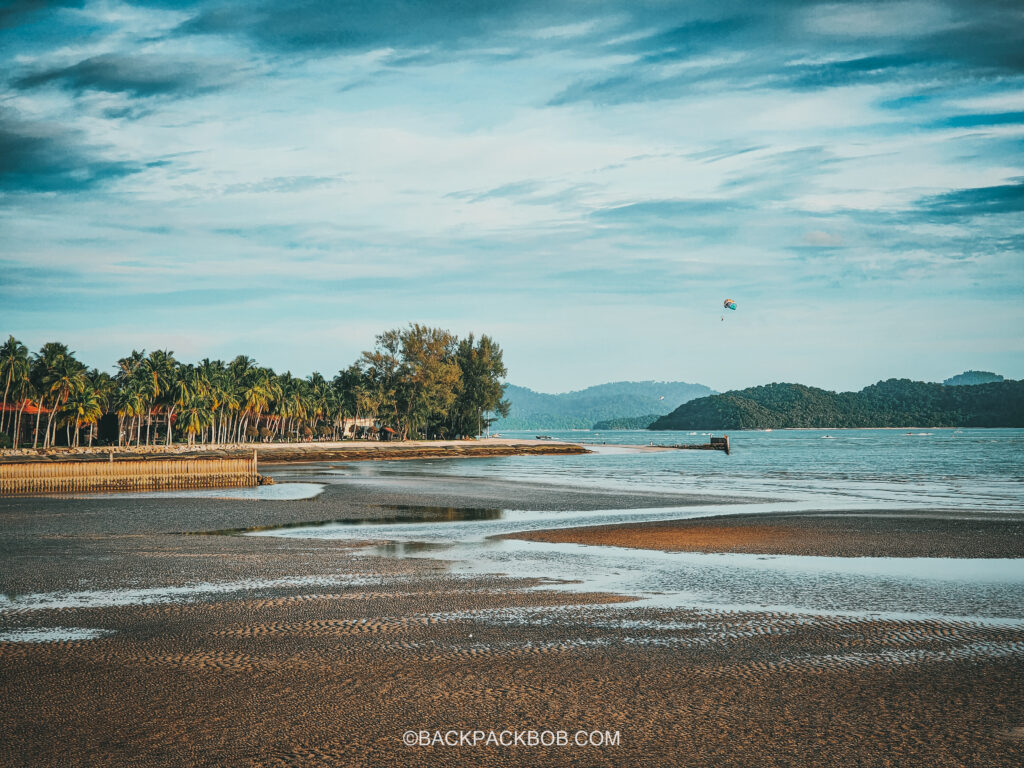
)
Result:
{"points": [[628, 422], [892, 403], [580, 410], [970, 378]]}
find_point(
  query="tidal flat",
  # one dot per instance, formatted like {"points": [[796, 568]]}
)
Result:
{"points": [[316, 631]]}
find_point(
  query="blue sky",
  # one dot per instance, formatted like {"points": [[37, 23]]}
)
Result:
{"points": [[584, 181]]}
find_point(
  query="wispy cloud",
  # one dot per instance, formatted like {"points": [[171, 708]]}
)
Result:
{"points": [[979, 201], [294, 173], [137, 75]]}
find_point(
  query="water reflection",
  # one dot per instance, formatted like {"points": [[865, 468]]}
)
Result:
{"points": [[402, 549], [410, 515]]}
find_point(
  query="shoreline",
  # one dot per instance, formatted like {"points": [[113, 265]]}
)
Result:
{"points": [[865, 533], [287, 453]]}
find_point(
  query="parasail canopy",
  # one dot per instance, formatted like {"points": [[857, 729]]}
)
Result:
{"points": [[729, 304]]}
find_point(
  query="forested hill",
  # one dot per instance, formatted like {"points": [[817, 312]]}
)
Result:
{"points": [[581, 409], [628, 422], [970, 378], [892, 403]]}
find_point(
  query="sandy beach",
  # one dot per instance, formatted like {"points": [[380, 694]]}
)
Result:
{"points": [[825, 534], [228, 650]]}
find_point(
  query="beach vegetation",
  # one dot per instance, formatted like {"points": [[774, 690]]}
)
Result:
{"points": [[417, 381]]}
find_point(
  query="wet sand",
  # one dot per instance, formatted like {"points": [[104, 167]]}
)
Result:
{"points": [[298, 652], [848, 534]]}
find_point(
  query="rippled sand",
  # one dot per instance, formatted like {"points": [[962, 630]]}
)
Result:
{"points": [[227, 650]]}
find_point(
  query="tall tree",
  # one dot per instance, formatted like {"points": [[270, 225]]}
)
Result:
{"points": [[160, 368], [482, 391], [59, 375], [431, 376], [14, 365], [83, 407]]}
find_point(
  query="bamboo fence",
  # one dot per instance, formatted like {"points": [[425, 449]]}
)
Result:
{"points": [[126, 475]]}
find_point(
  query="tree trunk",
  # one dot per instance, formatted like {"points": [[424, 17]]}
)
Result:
{"points": [[3, 413], [48, 439], [17, 424]]}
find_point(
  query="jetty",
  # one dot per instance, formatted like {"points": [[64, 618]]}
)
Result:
{"points": [[715, 444]]}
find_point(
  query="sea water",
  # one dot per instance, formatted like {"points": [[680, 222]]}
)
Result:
{"points": [[947, 468], [977, 471]]}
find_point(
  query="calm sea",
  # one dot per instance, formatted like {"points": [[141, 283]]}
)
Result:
{"points": [[781, 471], [951, 468]]}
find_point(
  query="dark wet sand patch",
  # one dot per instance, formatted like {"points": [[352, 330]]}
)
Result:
{"points": [[834, 534]]}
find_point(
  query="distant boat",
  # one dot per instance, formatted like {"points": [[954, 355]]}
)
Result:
{"points": [[545, 437]]}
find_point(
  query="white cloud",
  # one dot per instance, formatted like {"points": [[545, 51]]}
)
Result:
{"points": [[820, 238], [911, 18]]}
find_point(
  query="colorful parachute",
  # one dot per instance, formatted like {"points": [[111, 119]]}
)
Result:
{"points": [[729, 304]]}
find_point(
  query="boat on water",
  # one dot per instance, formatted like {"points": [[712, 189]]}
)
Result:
{"points": [[545, 437]]}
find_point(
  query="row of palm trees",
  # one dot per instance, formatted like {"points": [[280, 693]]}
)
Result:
{"points": [[51, 383], [50, 397]]}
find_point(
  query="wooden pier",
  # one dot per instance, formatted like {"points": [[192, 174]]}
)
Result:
{"points": [[715, 444], [37, 477]]}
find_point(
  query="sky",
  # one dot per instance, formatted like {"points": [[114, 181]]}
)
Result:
{"points": [[585, 182]]}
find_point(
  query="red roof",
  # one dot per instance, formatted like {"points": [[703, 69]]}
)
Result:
{"points": [[29, 408]]}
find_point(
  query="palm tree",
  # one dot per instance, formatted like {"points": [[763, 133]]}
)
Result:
{"points": [[241, 372], [13, 365], [105, 388], [318, 398], [127, 405], [66, 378], [131, 395], [212, 373], [225, 403], [159, 368], [190, 389], [24, 391], [82, 407], [57, 375], [195, 412]]}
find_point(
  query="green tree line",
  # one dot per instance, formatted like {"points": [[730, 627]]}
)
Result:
{"points": [[418, 381]]}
